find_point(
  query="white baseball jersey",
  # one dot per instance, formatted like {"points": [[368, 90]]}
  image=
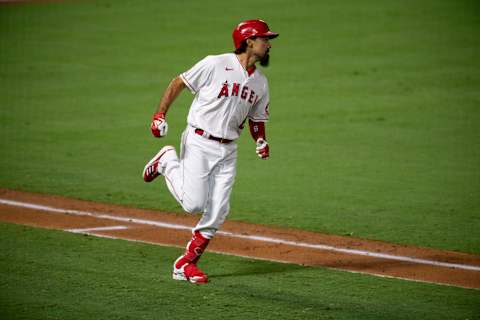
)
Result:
{"points": [[225, 95]]}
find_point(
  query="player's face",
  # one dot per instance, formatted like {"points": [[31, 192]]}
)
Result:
{"points": [[261, 46]]}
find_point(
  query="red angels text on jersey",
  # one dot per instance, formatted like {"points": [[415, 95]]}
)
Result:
{"points": [[237, 90]]}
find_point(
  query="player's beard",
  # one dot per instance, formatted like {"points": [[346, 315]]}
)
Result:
{"points": [[265, 60]]}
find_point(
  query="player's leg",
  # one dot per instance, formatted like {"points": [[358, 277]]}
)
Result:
{"points": [[217, 207], [218, 203], [187, 177]]}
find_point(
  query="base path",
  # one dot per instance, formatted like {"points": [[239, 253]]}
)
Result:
{"points": [[243, 239]]}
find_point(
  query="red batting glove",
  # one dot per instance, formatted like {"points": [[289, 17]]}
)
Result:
{"points": [[159, 126], [263, 151]]}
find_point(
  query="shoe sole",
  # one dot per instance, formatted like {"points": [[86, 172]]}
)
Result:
{"points": [[156, 158], [181, 277]]}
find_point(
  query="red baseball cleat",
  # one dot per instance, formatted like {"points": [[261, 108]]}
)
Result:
{"points": [[187, 271], [150, 172]]}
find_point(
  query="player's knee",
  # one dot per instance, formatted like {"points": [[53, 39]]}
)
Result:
{"points": [[193, 206]]}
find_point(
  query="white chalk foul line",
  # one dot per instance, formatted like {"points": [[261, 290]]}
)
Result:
{"points": [[248, 237], [87, 230], [355, 252], [99, 215]]}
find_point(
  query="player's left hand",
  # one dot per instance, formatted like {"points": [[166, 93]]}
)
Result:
{"points": [[159, 126], [263, 151]]}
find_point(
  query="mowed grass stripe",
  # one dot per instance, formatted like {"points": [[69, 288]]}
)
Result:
{"points": [[374, 110]]}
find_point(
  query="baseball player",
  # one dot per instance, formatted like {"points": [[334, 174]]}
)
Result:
{"points": [[228, 90]]}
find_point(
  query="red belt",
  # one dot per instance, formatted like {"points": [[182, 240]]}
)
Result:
{"points": [[202, 133]]}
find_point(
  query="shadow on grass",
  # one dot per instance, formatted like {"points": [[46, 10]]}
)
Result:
{"points": [[250, 268]]}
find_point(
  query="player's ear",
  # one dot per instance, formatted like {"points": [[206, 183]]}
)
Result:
{"points": [[250, 42]]}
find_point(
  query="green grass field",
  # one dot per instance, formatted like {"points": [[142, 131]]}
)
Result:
{"points": [[374, 132], [375, 110], [56, 275]]}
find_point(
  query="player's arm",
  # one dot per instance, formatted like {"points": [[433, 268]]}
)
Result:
{"points": [[257, 130], [171, 93], [159, 126]]}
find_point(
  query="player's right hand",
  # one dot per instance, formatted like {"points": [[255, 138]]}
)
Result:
{"points": [[159, 126]]}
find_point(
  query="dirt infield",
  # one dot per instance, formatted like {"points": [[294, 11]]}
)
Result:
{"points": [[243, 239]]}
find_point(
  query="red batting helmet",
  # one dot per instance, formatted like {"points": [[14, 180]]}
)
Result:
{"points": [[251, 28]]}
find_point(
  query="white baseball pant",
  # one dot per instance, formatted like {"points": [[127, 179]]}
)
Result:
{"points": [[202, 179]]}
